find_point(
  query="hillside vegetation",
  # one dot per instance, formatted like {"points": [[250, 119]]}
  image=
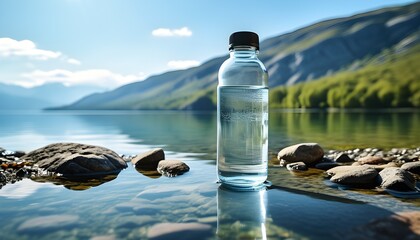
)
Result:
{"points": [[351, 59], [395, 82]]}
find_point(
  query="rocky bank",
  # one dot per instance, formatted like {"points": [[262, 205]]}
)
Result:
{"points": [[395, 171], [67, 163]]}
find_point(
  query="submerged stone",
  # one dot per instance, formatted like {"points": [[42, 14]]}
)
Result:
{"points": [[179, 231], [404, 225], [76, 159], [48, 223]]}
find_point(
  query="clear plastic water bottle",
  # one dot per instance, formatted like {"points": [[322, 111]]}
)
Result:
{"points": [[242, 115]]}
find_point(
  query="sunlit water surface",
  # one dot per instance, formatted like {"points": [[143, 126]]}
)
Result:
{"points": [[133, 204]]}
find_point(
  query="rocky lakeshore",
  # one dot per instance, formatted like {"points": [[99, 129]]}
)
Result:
{"points": [[81, 166], [395, 171]]}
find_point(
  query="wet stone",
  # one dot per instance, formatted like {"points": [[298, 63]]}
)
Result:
{"points": [[304, 152], [413, 167], [21, 173], [149, 160], [396, 179], [76, 159], [380, 167], [297, 166], [343, 158], [411, 158], [353, 175], [172, 168], [371, 160]]}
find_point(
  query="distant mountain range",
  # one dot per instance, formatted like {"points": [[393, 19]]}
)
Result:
{"points": [[47, 95], [307, 54]]}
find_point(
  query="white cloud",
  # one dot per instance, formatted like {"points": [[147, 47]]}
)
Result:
{"points": [[183, 64], [73, 61], [97, 77], [166, 32], [27, 48]]}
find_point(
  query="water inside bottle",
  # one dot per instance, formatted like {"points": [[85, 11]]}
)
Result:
{"points": [[242, 149]]}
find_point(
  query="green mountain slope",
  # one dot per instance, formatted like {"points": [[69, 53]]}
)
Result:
{"points": [[307, 54], [390, 80]]}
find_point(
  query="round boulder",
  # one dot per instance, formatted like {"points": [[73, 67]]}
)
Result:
{"points": [[148, 160], [172, 168], [304, 152], [76, 159], [398, 179]]}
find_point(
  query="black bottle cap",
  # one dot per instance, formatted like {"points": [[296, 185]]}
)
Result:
{"points": [[244, 39]]}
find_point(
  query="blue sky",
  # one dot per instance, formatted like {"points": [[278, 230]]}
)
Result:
{"points": [[114, 42]]}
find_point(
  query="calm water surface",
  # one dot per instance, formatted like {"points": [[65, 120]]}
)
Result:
{"points": [[133, 205]]}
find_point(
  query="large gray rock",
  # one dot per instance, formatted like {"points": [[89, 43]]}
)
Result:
{"points": [[395, 178], [304, 152], [179, 231], [172, 167], [353, 175], [413, 167], [76, 159], [149, 160]]}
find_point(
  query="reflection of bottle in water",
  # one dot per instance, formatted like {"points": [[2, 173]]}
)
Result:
{"points": [[241, 215], [242, 137]]}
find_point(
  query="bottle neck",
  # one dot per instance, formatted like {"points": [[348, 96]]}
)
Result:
{"points": [[244, 52]]}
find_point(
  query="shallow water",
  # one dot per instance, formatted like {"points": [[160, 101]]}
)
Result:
{"points": [[133, 204]]}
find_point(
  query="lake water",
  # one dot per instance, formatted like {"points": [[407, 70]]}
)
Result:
{"points": [[136, 205]]}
